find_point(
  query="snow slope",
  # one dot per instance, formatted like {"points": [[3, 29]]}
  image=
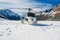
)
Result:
{"points": [[43, 30]]}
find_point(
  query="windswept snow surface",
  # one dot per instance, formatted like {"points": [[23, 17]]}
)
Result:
{"points": [[43, 30]]}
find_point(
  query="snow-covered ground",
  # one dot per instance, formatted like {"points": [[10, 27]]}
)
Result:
{"points": [[43, 30]]}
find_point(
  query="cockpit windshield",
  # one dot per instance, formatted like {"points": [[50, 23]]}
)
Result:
{"points": [[31, 15]]}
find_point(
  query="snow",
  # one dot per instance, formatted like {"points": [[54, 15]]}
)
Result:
{"points": [[43, 30]]}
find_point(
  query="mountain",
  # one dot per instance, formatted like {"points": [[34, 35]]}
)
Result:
{"points": [[10, 15], [55, 13], [49, 10], [57, 8]]}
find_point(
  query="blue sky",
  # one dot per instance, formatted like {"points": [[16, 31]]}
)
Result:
{"points": [[52, 2], [41, 4]]}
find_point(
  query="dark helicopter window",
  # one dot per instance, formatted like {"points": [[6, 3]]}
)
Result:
{"points": [[31, 15]]}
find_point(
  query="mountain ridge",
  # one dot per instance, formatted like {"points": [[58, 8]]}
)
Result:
{"points": [[8, 14]]}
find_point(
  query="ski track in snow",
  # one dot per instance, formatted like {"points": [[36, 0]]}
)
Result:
{"points": [[43, 30]]}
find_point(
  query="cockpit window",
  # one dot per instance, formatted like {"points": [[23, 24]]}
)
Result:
{"points": [[31, 15]]}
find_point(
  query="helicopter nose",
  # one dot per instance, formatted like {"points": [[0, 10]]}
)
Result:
{"points": [[32, 19], [26, 19]]}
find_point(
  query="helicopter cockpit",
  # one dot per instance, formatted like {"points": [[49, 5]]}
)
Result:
{"points": [[31, 15]]}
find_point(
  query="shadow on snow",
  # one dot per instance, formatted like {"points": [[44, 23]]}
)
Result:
{"points": [[40, 25]]}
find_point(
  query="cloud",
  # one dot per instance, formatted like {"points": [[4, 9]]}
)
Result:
{"points": [[23, 4]]}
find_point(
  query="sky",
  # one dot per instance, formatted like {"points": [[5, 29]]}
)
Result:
{"points": [[52, 2], [41, 4]]}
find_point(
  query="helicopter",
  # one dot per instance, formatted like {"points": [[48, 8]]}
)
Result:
{"points": [[30, 18]]}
